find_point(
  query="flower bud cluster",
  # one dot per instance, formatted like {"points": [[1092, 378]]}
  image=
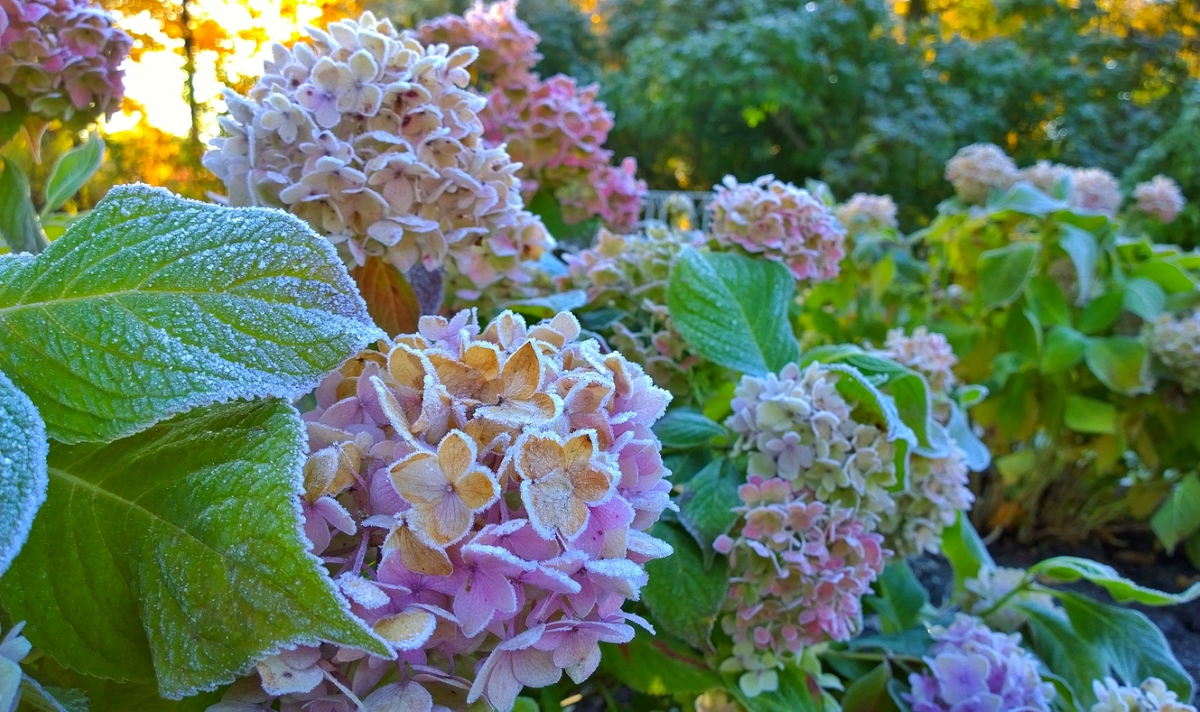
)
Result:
{"points": [[779, 222], [371, 137], [973, 668], [864, 212], [62, 57], [486, 495], [1160, 198], [1175, 343], [1151, 696]]}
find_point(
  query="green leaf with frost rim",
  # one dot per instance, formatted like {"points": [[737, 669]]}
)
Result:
{"points": [[153, 305], [22, 468], [1069, 569], [684, 595], [733, 310], [177, 555]]}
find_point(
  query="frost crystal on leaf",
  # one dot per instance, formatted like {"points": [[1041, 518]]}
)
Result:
{"points": [[370, 137], [500, 484], [23, 448], [781, 223]]}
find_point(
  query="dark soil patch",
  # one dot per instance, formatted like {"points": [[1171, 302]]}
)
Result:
{"points": [[1137, 560]]}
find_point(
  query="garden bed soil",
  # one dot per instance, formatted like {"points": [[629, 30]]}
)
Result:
{"points": [[1137, 560]]}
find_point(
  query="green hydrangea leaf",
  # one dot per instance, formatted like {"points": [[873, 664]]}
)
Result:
{"points": [[682, 594], [153, 305], [72, 171], [176, 556], [734, 310], [1179, 516], [22, 468], [685, 428], [658, 666], [1069, 569], [706, 505], [966, 552], [1004, 272]]}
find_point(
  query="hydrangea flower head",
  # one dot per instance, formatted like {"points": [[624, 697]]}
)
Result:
{"points": [[799, 569], [507, 46], [973, 668], [926, 352], [798, 427], [991, 585], [484, 496], [937, 491], [1095, 190], [62, 57], [1160, 198], [864, 211], [1175, 343], [1151, 696], [629, 272], [1044, 175], [780, 222], [978, 169], [371, 137], [614, 193]]}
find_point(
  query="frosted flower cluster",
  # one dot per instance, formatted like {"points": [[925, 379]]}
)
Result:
{"points": [[553, 127], [938, 487], [630, 273], [494, 488], [994, 584], [780, 222], [507, 46], [370, 137], [1160, 198], [1095, 190], [1044, 175], [1151, 696], [978, 169], [62, 57], [798, 427], [799, 568], [1175, 343], [973, 668], [863, 212]]}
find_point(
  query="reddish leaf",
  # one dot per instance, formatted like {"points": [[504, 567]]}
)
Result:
{"points": [[390, 299]]}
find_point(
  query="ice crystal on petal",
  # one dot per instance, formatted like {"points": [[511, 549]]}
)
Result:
{"points": [[779, 222], [370, 136], [62, 57], [1151, 696], [973, 668], [1160, 198], [978, 169], [499, 483]]}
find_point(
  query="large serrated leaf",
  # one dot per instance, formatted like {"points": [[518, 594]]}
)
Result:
{"points": [[153, 305], [22, 468], [684, 596], [733, 310], [176, 555]]}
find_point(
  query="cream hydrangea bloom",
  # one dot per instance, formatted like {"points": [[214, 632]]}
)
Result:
{"points": [[1151, 696], [1096, 190], [371, 137], [1175, 342], [978, 169], [1159, 197]]}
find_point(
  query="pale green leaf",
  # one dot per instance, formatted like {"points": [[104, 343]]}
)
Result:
{"points": [[978, 457], [869, 693], [72, 170], [657, 666], [1063, 349], [153, 305], [1024, 198], [1168, 275], [686, 428], [1100, 313], [1179, 516], [1088, 415], [733, 310], [19, 226], [1144, 298], [1069, 569], [1004, 272], [1119, 363], [966, 552], [706, 505], [1080, 245], [176, 555], [22, 468], [1048, 303], [51, 699], [899, 598], [682, 594]]}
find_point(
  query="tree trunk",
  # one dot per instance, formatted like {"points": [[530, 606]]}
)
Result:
{"points": [[189, 68]]}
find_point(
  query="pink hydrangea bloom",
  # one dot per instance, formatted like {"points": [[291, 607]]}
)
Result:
{"points": [[371, 137], [937, 491], [1095, 190], [612, 192], [498, 484], [799, 567], [507, 46], [62, 57], [1044, 175], [926, 352], [972, 668], [978, 169], [780, 222], [1160, 198]]}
